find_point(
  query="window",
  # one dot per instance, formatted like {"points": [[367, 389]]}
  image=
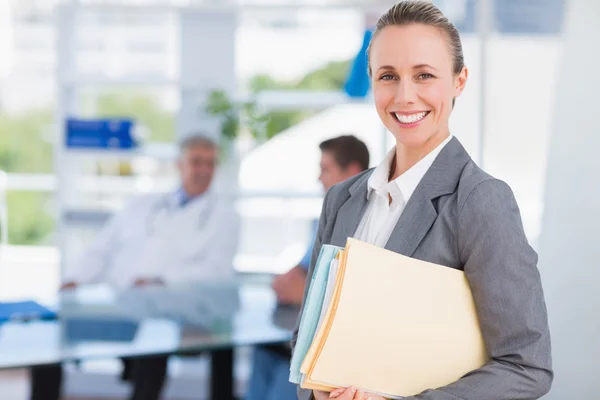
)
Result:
{"points": [[153, 108]]}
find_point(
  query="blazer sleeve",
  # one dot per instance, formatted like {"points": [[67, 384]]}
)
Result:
{"points": [[502, 270]]}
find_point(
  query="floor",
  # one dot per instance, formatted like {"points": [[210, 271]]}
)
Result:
{"points": [[14, 386]]}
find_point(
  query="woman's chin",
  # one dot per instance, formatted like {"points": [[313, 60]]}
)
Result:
{"points": [[410, 139]]}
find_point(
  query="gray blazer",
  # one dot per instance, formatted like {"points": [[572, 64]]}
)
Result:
{"points": [[463, 218]]}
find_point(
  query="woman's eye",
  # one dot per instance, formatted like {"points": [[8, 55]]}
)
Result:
{"points": [[425, 76], [386, 77]]}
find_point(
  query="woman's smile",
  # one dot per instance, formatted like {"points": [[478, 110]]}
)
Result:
{"points": [[410, 119]]}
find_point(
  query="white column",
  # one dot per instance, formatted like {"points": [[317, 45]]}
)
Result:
{"points": [[6, 40], [6, 49], [485, 25], [570, 240], [66, 72], [207, 62]]}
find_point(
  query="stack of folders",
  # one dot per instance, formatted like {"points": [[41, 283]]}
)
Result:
{"points": [[386, 323]]}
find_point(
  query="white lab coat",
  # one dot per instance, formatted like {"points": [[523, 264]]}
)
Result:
{"points": [[156, 237]]}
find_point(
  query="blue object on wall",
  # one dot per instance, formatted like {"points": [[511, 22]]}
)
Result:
{"points": [[359, 83], [100, 134]]}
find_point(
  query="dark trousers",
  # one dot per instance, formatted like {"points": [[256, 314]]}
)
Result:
{"points": [[46, 382], [147, 374]]}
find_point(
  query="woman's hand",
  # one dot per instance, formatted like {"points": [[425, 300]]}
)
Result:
{"points": [[320, 395], [352, 393]]}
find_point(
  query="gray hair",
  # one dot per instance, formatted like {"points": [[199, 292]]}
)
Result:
{"points": [[196, 140], [426, 13]]}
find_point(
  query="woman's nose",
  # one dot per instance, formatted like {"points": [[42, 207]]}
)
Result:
{"points": [[405, 92]]}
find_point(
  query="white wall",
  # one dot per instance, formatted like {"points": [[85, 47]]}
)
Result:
{"points": [[569, 243], [5, 39]]}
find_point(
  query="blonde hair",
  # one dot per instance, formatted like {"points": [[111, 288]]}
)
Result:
{"points": [[421, 12]]}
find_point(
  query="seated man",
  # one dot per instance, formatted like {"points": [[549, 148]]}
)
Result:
{"points": [[341, 158], [188, 235]]}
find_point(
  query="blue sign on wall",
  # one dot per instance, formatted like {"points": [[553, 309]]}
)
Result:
{"points": [[100, 134]]}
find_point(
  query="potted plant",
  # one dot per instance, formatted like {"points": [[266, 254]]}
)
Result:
{"points": [[237, 118]]}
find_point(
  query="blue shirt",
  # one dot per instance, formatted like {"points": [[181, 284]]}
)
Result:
{"points": [[182, 197], [305, 262]]}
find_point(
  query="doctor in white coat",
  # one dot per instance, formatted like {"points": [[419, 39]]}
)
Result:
{"points": [[187, 235]]}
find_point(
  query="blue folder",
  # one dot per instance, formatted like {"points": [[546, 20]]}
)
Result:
{"points": [[24, 310], [312, 309], [99, 329]]}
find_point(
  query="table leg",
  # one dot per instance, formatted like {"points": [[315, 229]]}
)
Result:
{"points": [[221, 377]]}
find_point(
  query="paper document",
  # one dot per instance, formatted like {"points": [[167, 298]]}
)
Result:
{"points": [[395, 326]]}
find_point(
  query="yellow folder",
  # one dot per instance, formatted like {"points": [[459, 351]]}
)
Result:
{"points": [[323, 330], [395, 326]]}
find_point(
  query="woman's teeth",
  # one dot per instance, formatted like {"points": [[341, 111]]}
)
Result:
{"points": [[410, 118]]}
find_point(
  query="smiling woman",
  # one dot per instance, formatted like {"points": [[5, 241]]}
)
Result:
{"points": [[415, 86], [429, 200]]}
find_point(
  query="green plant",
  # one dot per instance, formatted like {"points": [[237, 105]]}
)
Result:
{"points": [[235, 116], [28, 220], [22, 147], [330, 76]]}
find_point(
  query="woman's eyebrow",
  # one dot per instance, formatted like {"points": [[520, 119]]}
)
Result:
{"points": [[419, 66], [386, 67]]}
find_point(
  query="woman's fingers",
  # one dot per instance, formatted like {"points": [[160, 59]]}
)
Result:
{"points": [[351, 393], [346, 394], [318, 395], [336, 393], [359, 395]]}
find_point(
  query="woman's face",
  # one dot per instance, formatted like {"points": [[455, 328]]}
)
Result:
{"points": [[414, 83]]}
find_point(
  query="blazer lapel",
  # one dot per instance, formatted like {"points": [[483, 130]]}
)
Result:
{"points": [[419, 215], [351, 212], [415, 221]]}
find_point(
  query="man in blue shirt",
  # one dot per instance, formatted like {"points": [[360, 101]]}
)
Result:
{"points": [[341, 158]]}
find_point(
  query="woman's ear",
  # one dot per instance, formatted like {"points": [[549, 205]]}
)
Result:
{"points": [[460, 82]]}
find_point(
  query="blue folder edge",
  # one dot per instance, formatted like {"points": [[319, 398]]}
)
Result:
{"points": [[24, 311], [313, 304], [98, 329]]}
